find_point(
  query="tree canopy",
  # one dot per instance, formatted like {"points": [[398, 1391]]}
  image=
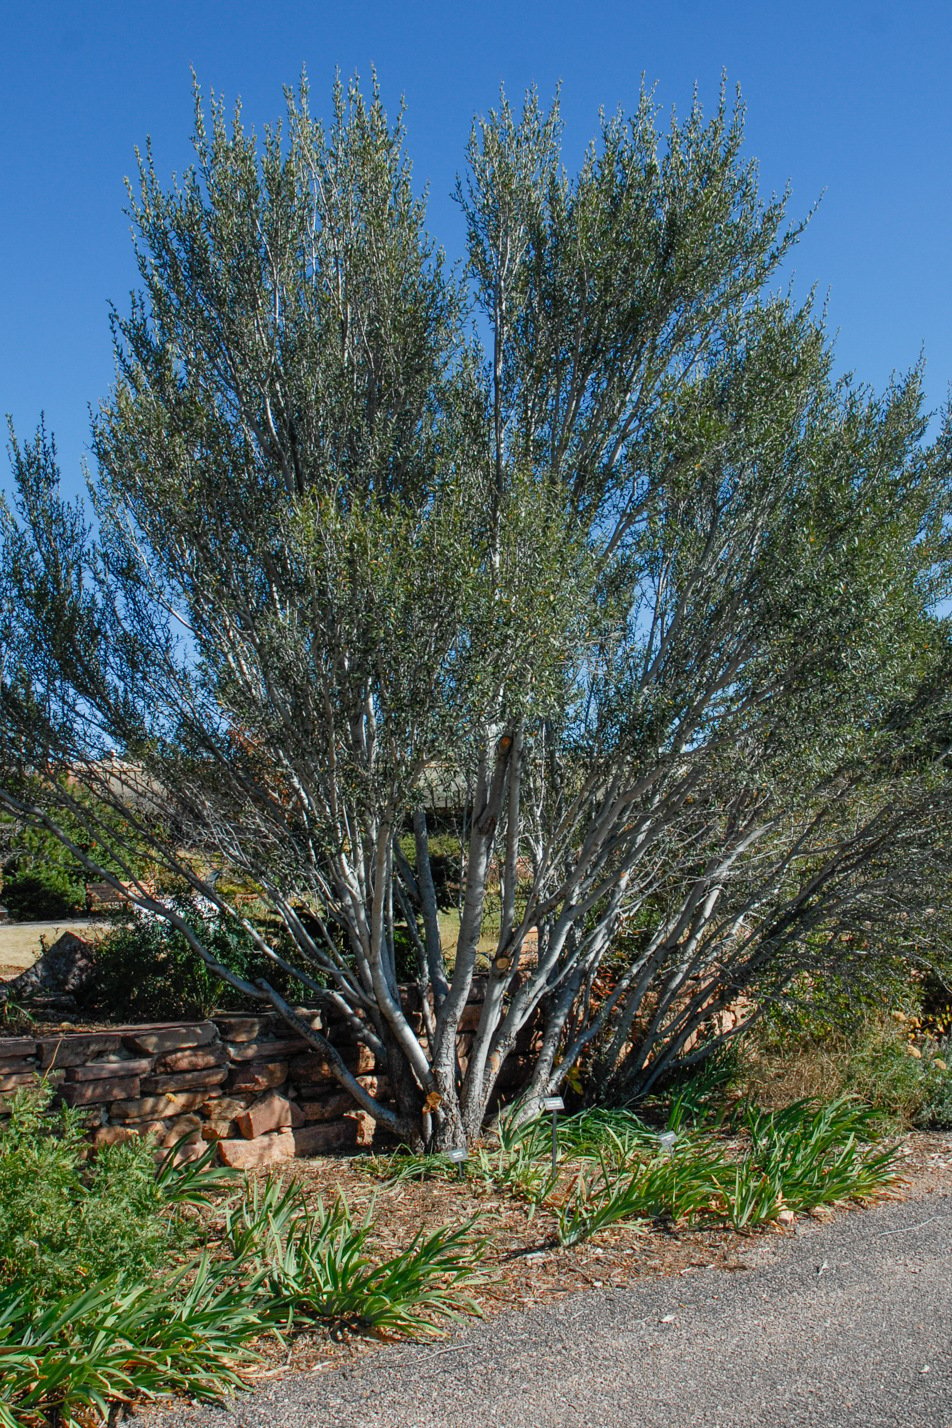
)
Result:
{"points": [[585, 528]]}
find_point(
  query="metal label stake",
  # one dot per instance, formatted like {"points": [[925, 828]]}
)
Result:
{"points": [[554, 1104]]}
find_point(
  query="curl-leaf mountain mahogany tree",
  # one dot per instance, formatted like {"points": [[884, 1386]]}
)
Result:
{"points": [[585, 530]]}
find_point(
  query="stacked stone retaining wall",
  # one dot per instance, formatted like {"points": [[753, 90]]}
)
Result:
{"points": [[246, 1082]]}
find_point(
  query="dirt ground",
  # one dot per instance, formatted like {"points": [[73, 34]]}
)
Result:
{"points": [[22, 942]]}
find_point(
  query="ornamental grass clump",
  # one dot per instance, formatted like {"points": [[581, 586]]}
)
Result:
{"points": [[815, 1154], [316, 1264], [682, 1184]]}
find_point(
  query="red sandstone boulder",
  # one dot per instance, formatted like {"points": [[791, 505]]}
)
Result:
{"points": [[266, 1150], [270, 1112]]}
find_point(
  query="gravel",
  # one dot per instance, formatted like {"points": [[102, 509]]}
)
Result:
{"points": [[844, 1323]]}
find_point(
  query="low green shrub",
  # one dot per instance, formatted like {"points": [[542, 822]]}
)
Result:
{"points": [[881, 1069], [105, 1297], [145, 969], [43, 895], [97, 1306], [66, 1219], [935, 1111], [890, 1061]]}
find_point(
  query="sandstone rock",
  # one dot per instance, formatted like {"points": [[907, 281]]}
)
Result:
{"points": [[224, 1108], [181, 1128], [319, 1139], [113, 1135], [258, 1076], [314, 1067], [241, 1028], [153, 1108], [365, 1127], [199, 1059], [78, 1048], [173, 1038], [153, 1128], [15, 1047], [103, 1070], [215, 1130], [81, 1093], [272, 1049], [270, 1112], [328, 1107], [63, 970], [266, 1150], [184, 1080]]}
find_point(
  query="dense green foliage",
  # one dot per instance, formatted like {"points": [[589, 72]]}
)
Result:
{"points": [[614, 1168], [145, 970], [104, 1299], [66, 1220]]}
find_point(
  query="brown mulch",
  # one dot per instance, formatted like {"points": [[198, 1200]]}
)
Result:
{"points": [[523, 1263]]}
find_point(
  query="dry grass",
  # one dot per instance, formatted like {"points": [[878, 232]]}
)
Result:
{"points": [[775, 1077]]}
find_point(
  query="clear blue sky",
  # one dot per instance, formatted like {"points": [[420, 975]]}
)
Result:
{"points": [[850, 97]]}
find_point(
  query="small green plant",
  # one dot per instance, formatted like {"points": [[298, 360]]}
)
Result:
{"points": [[750, 1196], [593, 1206], [149, 1318], [680, 1185], [145, 969], [401, 1166], [68, 1219], [521, 1161], [935, 1112], [111, 1224], [87, 1353], [315, 1264], [814, 1153], [602, 1134], [699, 1096]]}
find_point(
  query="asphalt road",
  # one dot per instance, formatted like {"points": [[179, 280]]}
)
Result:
{"points": [[846, 1323]]}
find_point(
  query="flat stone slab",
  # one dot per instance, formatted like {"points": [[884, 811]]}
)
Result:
{"points": [[16, 1046], [77, 1048], [104, 1070], [175, 1038], [84, 1093], [258, 1076], [272, 1049], [184, 1080]]}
